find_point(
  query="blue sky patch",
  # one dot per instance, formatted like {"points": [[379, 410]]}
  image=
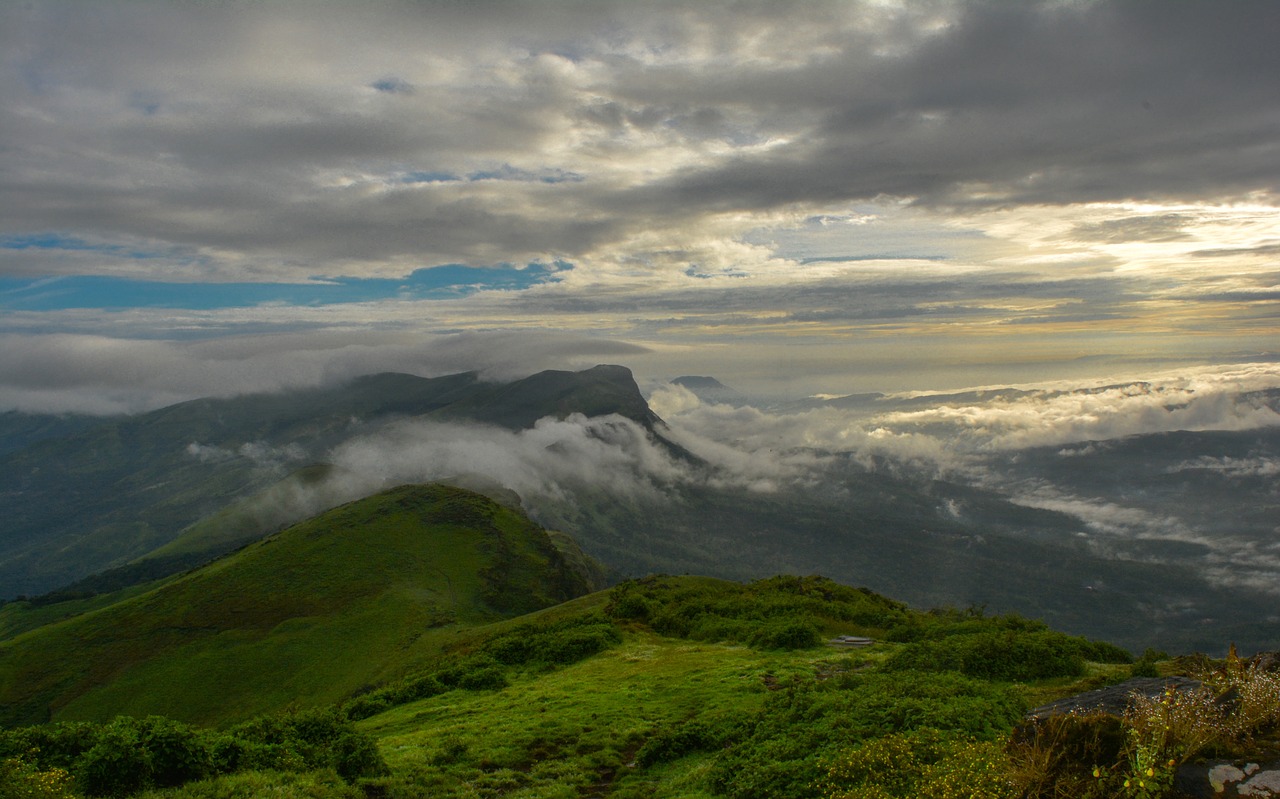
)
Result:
{"points": [[840, 259], [58, 241], [429, 177], [113, 293], [392, 86]]}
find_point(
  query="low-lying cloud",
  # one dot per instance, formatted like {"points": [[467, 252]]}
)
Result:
{"points": [[978, 438], [1240, 398], [1125, 532], [546, 462], [750, 440], [261, 453]]}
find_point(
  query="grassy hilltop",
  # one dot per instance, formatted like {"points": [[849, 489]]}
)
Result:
{"points": [[431, 642], [312, 613]]}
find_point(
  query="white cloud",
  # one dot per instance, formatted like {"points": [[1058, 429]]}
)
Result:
{"points": [[1133, 533], [1207, 399], [261, 453], [551, 460]]}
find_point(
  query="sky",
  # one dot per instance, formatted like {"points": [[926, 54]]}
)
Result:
{"points": [[795, 197]]}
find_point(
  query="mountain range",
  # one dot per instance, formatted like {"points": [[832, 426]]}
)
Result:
{"points": [[97, 506], [85, 494]]}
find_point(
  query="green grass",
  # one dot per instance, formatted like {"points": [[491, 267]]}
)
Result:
{"points": [[356, 596], [682, 690], [565, 731], [255, 785], [19, 617]]}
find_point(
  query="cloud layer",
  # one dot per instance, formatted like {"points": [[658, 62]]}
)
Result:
{"points": [[235, 141], [825, 196], [102, 375]]}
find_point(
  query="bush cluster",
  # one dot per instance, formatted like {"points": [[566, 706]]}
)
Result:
{"points": [[788, 746], [777, 613], [129, 755], [1002, 656], [1006, 648], [705, 733], [556, 644], [921, 763], [20, 779]]}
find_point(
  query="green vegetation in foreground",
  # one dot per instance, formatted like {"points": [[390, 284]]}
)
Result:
{"points": [[366, 591], [694, 687], [128, 755]]}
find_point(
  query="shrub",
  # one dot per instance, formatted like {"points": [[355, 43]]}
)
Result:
{"points": [[315, 739], [20, 779], [129, 755], [921, 763], [1146, 665], [784, 612], [50, 745], [476, 673], [786, 635], [630, 606], [356, 755], [1001, 656], [117, 765], [1104, 652], [177, 753], [555, 644]]}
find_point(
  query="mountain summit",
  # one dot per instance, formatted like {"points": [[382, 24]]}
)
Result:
{"points": [[599, 391], [708, 389]]}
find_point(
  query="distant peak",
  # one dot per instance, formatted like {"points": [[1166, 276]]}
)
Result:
{"points": [[697, 381], [708, 389]]}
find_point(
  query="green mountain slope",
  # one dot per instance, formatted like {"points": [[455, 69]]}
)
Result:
{"points": [[307, 616], [680, 687], [87, 495]]}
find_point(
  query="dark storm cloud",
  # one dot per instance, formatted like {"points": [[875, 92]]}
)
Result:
{"points": [[1025, 102], [262, 133]]}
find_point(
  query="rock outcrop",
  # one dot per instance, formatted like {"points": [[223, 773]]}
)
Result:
{"points": [[1222, 778], [1114, 699]]}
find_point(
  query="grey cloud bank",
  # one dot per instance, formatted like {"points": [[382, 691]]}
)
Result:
{"points": [[102, 375], [260, 136], [816, 196]]}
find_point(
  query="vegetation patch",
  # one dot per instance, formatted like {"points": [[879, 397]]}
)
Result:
{"points": [[688, 688], [129, 755]]}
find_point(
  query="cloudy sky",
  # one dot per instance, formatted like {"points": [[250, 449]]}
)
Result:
{"points": [[795, 197]]}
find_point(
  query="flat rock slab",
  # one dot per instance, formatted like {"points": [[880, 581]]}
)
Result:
{"points": [[1114, 698], [1223, 778]]}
